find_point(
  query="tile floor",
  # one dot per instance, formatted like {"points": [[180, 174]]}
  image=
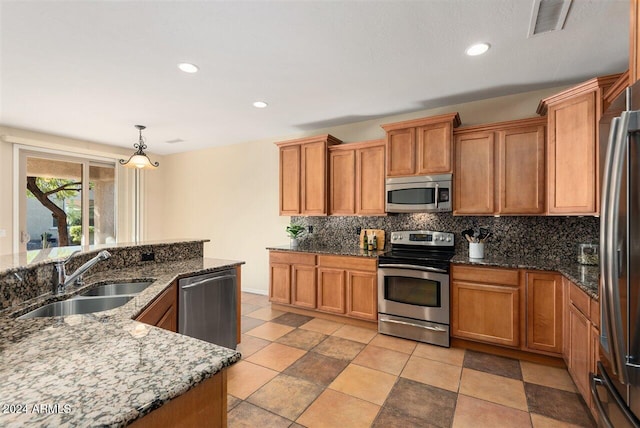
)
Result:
{"points": [[303, 371]]}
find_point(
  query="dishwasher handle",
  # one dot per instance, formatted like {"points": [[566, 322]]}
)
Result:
{"points": [[199, 283]]}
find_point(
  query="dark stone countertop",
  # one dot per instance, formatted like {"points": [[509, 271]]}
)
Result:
{"points": [[103, 369], [333, 250], [585, 277]]}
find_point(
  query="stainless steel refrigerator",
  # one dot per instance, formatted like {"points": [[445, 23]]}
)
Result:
{"points": [[616, 385]]}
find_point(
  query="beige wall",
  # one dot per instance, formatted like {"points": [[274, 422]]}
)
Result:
{"points": [[11, 136], [230, 194]]}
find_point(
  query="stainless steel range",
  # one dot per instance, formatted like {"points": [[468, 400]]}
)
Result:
{"points": [[413, 286]]}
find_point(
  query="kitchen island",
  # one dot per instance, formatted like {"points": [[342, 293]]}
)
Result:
{"points": [[105, 368]]}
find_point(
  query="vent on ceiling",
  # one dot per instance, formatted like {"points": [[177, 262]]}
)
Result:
{"points": [[174, 141], [548, 15]]}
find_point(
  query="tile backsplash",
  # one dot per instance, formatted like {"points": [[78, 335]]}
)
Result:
{"points": [[545, 236]]}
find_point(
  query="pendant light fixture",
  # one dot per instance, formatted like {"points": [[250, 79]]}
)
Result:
{"points": [[139, 159]]}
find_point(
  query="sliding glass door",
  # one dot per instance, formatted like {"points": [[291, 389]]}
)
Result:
{"points": [[65, 201]]}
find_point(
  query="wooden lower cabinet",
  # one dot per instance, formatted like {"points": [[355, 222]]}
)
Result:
{"points": [[205, 405], [280, 282], [341, 285], [362, 295], [303, 286], [544, 312], [578, 360], [163, 311], [486, 312], [331, 290], [485, 305], [292, 278]]}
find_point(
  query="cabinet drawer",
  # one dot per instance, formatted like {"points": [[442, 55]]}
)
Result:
{"points": [[291, 257], [486, 275], [348, 263], [579, 299]]}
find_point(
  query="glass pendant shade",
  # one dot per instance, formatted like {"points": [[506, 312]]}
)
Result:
{"points": [[139, 159]]}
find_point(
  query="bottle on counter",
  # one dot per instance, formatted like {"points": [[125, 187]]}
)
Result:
{"points": [[370, 246], [375, 242], [366, 242]]}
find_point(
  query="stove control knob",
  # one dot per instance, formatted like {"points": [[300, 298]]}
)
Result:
{"points": [[448, 239]]}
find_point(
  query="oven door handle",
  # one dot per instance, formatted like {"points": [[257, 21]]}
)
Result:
{"points": [[403, 266], [426, 327]]}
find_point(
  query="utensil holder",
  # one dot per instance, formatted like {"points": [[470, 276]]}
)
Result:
{"points": [[476, 250]]}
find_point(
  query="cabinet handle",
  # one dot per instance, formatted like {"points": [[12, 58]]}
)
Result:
{"points": [[402, 266], [215, 278], [426, 327]]}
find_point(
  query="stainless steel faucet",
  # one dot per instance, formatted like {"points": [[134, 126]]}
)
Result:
{"points": [[64, 280]]}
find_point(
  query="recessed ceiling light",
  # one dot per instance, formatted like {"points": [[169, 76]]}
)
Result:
{"points": [[260, 104], [477, 49], [187, 67]]}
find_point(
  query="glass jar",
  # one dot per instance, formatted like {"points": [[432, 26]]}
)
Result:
{"points": [[588, 254]]}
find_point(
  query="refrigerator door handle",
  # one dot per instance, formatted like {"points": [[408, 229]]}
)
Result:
{"points": [[603, 380], [595, 381], [616, 153]]}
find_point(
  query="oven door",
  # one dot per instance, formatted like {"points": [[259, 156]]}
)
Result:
{"points": [[413, 292], [418, 196]]}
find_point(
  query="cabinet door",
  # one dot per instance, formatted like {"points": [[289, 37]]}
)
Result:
{"points": [[303, 286], [342, 170], [474, 174], [162, 311], [290, 180], [362, 293], [314, 178], [579, 332], [544, 312], [487, 313], [370, 181], [594, 357], [280, 283], [572, 156], [331, 290], [401, 149], [521, 179], [434, 146]]}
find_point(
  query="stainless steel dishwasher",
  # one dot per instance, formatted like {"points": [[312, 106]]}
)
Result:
{"points": [[207, 307]]}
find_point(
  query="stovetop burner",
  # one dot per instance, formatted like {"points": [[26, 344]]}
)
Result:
{"points": [[420, 248]]}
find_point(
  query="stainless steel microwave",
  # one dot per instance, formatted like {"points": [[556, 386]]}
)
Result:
{"points": [[419, 194]]}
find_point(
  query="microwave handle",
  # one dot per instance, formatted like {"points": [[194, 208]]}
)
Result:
{"points": [[437, 195]]}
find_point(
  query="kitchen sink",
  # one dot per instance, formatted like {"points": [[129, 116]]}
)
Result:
{"points": [[118, 289], [77, 306]]}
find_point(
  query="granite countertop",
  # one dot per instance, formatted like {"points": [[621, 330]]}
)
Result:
{"points": [[585, 277], [32, 258], [104, 368], [333, 250]]}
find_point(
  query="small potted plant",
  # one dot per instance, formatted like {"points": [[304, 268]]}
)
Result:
{"points": [[295, 231]]}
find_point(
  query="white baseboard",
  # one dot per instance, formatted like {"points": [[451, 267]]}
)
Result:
{"points": [[255, 291]]}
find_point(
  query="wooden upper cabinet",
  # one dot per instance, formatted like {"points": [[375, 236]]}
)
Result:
{"points": [[401, 152], [573, 156], [634, 43], [434, 147], [370, 178], [356, 178], [290, 180], [420, 146], [474, 176], [499, 168], [342, 182], [303, 175], [521, 186]]}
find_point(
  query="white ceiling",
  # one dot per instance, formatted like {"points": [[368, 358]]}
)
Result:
{"points": [[93, 69]]}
